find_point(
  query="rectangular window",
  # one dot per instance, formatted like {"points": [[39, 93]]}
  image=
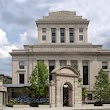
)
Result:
{"points": [[63, 62], [89, 96], [21, 78], [51, 67], [62, 35], [71, 33], [43, 37], [104, 65], [43, 30], [21, 64], [80, 37], [85, 73], [53, 34], [74, 63], [80, 30]]}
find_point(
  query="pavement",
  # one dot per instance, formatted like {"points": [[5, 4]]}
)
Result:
{"points": [[60, 108]]}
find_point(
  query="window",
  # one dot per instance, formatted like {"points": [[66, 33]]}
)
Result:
{"points": [[63, 63], [43, 30], [80, 30], [21, 78], [43, 37], [62, 34], [85, 73], [74, 63], [21, 64], [51, 67], [104, 65], [53, 34], [89, 96], [80, 37], [71, 33]]}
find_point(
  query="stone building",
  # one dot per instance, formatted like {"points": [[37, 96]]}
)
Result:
{"points": [[62, 41]]}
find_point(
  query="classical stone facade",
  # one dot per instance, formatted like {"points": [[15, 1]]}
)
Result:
{"points": [[62, 40]]}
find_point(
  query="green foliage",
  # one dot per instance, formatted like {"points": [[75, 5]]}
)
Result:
{"points": [[84, 93], [102, 86], [11, 103], [39, 80]]}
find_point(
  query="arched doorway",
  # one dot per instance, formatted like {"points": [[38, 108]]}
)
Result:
{"points": [[67, 94]]}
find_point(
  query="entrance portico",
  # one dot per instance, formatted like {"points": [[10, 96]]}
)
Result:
{"points": [[63, 77]]}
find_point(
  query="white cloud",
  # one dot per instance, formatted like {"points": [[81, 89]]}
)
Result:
{"points": [[26, 36], [5, 46], [3, 39], [21, 1]]}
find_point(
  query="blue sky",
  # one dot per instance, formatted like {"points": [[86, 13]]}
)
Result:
{"points": [[17, 23]]}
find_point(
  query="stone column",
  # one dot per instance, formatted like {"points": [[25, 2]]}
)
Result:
{"points": [[39, 35], [80, 68], [48, 35], [58, 35], [85, 35], [68, 62], [67, 35], [52, 95], [47, 63], [57, 63], [76, 35], [1, 99]]}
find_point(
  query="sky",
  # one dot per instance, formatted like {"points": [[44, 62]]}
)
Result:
{"points": [[18, 28]]}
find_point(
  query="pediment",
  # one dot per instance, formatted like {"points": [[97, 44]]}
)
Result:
{"points": [[65, 71]]}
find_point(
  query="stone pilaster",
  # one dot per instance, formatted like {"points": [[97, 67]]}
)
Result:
{"points": [[69, 62], [58, 35], [85, 35], [48, 35], [80, 67], [67, 35], [47, 63], [57, 63], [76, 35]]}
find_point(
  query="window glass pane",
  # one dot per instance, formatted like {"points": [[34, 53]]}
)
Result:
{"points": [[53, 34], [21, 78], [63, 63], [89, 97], [104, 65], [43, 37], [21, 64], [80, 37], [80, 30], [85, 75], [71, 33], [62, 35], [43, 30]]}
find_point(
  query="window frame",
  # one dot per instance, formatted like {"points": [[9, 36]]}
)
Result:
{"points": [[21, 65], [43, 39], [81, 37]]}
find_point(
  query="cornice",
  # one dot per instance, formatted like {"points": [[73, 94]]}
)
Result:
{"points": [[63, 22]]}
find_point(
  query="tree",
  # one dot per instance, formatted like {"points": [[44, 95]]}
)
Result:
{"points": [[101, 87], [84, 94], [39, 80]]}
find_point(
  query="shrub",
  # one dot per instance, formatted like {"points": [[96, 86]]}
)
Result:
{"points": [[34, 104], [11, 103], [98, 103]]}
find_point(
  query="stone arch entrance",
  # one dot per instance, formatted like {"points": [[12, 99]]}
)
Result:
{"points": [[65, 76], [67, 94]]}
